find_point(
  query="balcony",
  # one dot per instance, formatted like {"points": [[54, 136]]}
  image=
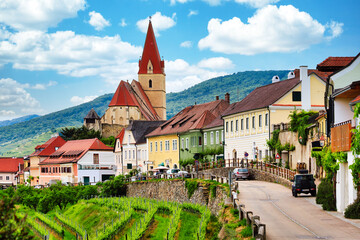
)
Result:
{"points": [[97, 167], [341, 137]]}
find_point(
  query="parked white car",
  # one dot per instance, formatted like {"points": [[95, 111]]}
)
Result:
{"points": [[171, 172]]}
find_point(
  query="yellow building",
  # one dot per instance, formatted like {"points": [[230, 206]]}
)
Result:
{"points": [[163, 150], [248, 123]]}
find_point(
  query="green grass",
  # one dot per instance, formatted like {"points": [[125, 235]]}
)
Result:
{"points": [[189, 224], [137, 215], [162, 226]]}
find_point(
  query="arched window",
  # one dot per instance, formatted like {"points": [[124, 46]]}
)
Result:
{"points": [[150, 83]]}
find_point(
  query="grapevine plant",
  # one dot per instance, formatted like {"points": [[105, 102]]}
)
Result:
{"points": [[355, 148]]}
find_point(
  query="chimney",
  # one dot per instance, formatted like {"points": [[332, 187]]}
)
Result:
{"points": [[227, 97], [305, 88], [217, 97], [275, 79]]}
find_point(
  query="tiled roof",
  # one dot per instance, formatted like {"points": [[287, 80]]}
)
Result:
{"points": [[355, 100], [192, 117], [10, 165], [74, 150], [151, 52], [217, 122], [332, 64], [265, 96], [134, 95], [140, 129], [48, 148], [92, 115], [121, 136]]}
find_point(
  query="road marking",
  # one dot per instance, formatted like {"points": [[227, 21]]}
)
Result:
{"points": [[286, 215]]}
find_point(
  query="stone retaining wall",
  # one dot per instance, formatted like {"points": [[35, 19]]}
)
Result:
{"points": [[255, 174], [176, 191]]}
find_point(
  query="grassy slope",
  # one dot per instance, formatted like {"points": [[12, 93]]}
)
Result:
{"points": [[17, 139]]}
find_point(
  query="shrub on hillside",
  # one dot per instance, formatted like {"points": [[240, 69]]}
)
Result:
{"points": [[325, 195], [353, 210], [114, 187]]}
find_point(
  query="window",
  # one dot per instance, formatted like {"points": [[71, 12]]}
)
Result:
{"points": [[134, 154], [231, 126], [167, 145], [96, 158], [217, 137], [150, 147], [129, 139], [129, 166], [126, 154], [237, 125], [182, 143], [253, 122], [56, 148], [222, 136], [1, 178], [247, 123], [205, 138], [227, 127], [200, 141], [174, 144], [7, 178], [187, 143], [212, 138], [296, 96], [129, 154], [260, 120], [155, 146], [160, 146], [242, 124], [53, 169], [150, 83], [266, 152], [266, 119]]}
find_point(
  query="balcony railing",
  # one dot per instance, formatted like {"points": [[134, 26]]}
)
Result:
{"points": [[341, 137], [97, 167]]}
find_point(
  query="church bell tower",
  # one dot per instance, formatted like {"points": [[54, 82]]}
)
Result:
{"points": [[152, 75]]}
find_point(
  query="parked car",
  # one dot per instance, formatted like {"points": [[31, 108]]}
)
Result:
{"points": [[241, 173], [171, 172], [183, 174], [303, 183], [38, 186]]}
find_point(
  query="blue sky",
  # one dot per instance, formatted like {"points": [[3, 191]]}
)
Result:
{"points": [[59, 53]]}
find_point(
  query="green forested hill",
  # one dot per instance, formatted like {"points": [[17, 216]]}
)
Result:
{"points": [[238, 85], [20, 139]]}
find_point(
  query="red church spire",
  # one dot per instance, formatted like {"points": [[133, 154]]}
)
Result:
{"points": [[151, 52]]}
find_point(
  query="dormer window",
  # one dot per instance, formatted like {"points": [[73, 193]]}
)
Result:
{"points": [[150, 83]]}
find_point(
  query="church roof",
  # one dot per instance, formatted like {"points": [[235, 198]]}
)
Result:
{"points": [[134, 95], [92, 115], [151, 52]]}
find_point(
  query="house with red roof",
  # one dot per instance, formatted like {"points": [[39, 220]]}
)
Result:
{"points": [[343, 94], [85, 161], [163, 143], [139, 100], [9, 168], [41, 153], [248, 124]]}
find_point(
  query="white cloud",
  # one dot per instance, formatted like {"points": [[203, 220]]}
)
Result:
{"points": [[38, 14], [173, 2], [186, 44], [335, 29], [216, 63], [98, 21], [76, 100], [271, 29], [181, 75], [123, 23], [159, 22], [257, 3], [192, 13], [15, 100], [68, 53], [213, 2]]}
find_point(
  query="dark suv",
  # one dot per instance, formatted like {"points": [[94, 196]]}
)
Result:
{"points": [[303, 183]]}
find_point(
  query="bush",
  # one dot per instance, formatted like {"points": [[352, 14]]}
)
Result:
{"points": [[325, 195], [191, 186], [246, 232], [235, 212], [353, 210]]}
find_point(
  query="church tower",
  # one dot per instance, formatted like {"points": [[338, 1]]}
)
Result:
{"points": [[151, 74]]}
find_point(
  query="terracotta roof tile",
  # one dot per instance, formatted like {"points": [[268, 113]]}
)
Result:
{"points": [[74, 150], [192, 117], [151, 52], [122, 96], [332, 64], [49, 147], [10, 165]]}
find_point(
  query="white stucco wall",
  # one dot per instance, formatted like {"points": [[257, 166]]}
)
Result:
{"points": [[342, 110]]}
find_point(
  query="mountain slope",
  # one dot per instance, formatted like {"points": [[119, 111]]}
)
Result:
{"points": [[238, 85], [17, 120]]}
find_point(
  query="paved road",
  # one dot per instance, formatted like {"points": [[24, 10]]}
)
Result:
{"points": [[287, 217]]}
